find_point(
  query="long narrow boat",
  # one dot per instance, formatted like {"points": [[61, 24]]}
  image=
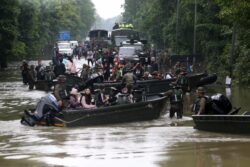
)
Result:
{"points": [[149, 109], [156, 86], [223, 123]]}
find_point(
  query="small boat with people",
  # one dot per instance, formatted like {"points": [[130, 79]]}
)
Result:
{"points": [[149, 108], [237, 124], [155, 86], [220, 116]]}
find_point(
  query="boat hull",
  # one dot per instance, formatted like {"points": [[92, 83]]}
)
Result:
{"points": [[223, 123], [156, 86], [150, 109]]}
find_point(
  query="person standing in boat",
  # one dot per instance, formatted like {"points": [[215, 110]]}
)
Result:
{"points": [[86, 99], [199, 106], [60, 92], [176, 101], [129, 78]]}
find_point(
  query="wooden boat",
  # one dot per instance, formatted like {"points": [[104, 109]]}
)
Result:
{"points": [[155, 86], [223, 123], [149, 109]]}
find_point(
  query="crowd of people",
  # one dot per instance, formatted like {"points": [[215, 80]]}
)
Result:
{"points": [[107, 64]]}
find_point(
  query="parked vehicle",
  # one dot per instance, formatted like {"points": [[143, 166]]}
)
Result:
{"points": [[128, 52], [65, 48]]}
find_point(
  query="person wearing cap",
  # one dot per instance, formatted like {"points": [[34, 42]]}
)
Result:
{"points": [[200, 103], [73, 99], [176, 101], [60, 92]]}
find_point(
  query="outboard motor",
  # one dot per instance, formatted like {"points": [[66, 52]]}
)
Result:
{"points": [[221, 104], [46, 108]]}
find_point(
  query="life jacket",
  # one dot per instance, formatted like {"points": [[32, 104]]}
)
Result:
{"points": [[183, 81], [208, 105], [177, 96]]}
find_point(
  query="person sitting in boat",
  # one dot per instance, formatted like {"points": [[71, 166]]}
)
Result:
{"points": [[60, 92], [73, 99], [199, 106], [100, 96], [86, 99], [147, 76], [126, 95]]}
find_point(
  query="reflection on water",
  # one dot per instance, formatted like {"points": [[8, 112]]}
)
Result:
{"points": [[157, 143]]}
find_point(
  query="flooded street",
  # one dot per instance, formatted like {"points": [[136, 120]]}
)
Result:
{"points": [[149, 144]]}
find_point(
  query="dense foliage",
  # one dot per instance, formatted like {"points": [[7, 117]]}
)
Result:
{"points": [[29, 28], [170, 24]]}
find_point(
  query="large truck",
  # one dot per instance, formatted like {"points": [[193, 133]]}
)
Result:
{"points": [[123, 34]]}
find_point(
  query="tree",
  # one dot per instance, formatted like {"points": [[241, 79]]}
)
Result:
{"points": [[9, 10]]}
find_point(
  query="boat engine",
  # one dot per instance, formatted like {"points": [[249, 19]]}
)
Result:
{"points": [[221, 104]]}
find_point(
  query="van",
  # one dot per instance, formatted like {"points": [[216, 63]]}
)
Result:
{"points": [[128, 53], [64, 48]]}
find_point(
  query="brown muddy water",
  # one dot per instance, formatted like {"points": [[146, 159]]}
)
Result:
{"points": [[147, 144]]}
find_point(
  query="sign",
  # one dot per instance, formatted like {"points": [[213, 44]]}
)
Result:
{"points": [[64, 35]]}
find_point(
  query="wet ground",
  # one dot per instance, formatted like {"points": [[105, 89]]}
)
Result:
{"points": [[159, 143]]}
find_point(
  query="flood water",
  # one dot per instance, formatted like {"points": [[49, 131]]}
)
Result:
{"points": [[159, 143]]}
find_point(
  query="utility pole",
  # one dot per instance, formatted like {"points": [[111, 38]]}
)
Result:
{"points": [[234, 31], [194, 38], [177, 27]]}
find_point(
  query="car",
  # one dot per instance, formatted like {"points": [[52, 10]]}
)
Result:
{"points": [[129, 53], [138, 45], [64, 48], [73, 44]]}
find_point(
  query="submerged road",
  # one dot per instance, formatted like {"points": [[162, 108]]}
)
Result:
{"points": [[159, 143]]}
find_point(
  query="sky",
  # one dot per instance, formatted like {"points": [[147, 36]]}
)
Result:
{"points": [[108, 8]]}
